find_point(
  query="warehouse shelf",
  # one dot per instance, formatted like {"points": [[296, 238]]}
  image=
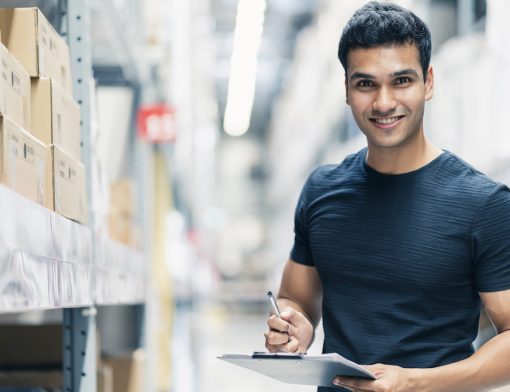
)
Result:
{"points": [[46, 260], [120, 274]]}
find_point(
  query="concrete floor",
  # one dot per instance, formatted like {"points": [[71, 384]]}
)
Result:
{"points": [[236, 333], [212, 331]]}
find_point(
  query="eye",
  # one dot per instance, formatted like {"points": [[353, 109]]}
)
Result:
{"points": [[402, 80], [365, 83]]}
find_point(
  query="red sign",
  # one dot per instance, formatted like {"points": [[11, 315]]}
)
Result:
{"points": [[156, 123]]}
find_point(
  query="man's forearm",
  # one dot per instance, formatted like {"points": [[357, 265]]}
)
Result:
{"points": [[488, 368]]}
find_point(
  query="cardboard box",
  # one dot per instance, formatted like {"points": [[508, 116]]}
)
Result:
{"points": [[55, 116], [31, 346], [14, 89], [68, 186], [122, 196], [24, 162], [104, 378], [121, 228], [51, 380], [127, 371], [38, 47]]}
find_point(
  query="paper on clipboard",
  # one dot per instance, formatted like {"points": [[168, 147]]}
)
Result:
{"points": [[319, 370]]}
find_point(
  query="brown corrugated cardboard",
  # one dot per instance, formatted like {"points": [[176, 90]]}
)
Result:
{"points": [[36, 44], [121, 228], [55, 116], [32, 378], [23, 162], [69, 192], [104, 378], [127, 371], [122, 196], [14, 89], [31, 346]]}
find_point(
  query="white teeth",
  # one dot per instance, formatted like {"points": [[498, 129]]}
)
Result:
{"points": [[386, 121]]}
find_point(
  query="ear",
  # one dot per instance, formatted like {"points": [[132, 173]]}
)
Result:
{"points": [[346, 90], [429, 84]]}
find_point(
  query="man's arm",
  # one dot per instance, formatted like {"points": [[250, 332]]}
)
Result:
{"points": [[487, 368], [300, 299]]}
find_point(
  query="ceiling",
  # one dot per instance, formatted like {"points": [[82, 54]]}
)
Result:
{"points": [[283, 21]]}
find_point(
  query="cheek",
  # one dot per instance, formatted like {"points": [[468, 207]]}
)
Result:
{"points": [[412, 99], [359, 104]]}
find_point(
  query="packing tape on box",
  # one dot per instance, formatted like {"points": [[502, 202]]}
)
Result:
{"points": [[42, 60], [58, 191], [12, 160], [40, 167]]}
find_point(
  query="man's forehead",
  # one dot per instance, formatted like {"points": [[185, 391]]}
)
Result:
{"points": [[383, 59]]}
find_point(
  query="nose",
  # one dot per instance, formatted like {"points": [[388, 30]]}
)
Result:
{"points": [[384, 102]]}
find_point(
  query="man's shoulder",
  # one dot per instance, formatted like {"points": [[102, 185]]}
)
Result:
{"points": [[346, 169], [462, 176], [462, 172]]}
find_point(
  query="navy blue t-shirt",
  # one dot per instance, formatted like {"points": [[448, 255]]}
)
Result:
{"points": [[403, 257]]}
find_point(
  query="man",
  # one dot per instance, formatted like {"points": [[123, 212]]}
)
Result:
{"points": [[399, 246]]}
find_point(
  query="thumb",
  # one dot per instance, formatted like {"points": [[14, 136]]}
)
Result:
{"points": [[292, 316]]}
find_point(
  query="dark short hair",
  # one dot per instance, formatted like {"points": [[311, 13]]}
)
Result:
{"points": [[379, 23]]}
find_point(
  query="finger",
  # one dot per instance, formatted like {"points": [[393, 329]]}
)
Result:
{"points": [[276, 338], [294, 317], [277, 324], [292, 346], [377, 369], [357, 384], [288, 313], [276, 348]]}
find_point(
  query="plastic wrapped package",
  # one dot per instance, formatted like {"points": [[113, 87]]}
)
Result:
{"points": [[121, 273], [46, 261]]}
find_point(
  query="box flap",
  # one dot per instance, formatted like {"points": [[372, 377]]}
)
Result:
{"points": [[69, 193], [19, 26]]}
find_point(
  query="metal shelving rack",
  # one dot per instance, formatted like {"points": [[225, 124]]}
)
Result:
{"points": [[49, 262]]}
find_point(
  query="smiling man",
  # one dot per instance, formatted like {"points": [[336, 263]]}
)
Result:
{"points": [[399, 246]]}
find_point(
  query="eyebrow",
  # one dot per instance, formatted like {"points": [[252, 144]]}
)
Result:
{"points": [[362, 75], [405, 72]]}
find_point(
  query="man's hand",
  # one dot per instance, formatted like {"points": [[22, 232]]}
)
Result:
{"points": [[389, 379], [291, 333]]}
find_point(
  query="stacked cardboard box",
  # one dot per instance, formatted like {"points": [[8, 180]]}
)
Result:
{"points": [[24, 160], [38, 47], [127, 371], [104, 378], [53, 116], [121, 220], [31, 355], [14, 89]]}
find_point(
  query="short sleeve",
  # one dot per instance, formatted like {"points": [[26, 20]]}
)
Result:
{"points": [[491, 242], [301, 252]]}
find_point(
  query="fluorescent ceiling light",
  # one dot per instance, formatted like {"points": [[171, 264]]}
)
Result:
{"points": [[243, 66]]}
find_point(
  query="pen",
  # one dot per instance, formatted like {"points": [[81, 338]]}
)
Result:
{"points": [[274, 304]]}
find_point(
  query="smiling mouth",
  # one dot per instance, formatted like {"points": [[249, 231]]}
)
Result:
{"points": [[385, 120]]}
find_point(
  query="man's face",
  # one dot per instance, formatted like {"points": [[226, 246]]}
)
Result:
{"points": [[387, 94]]}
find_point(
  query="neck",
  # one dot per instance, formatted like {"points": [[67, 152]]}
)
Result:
{"points": [[403, 159]]}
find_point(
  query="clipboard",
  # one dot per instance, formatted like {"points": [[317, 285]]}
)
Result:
{"points": [[299, 368]]}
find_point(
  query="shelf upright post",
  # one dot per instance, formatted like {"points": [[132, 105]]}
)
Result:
{"points": [[79, 350], [80, 323]]}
